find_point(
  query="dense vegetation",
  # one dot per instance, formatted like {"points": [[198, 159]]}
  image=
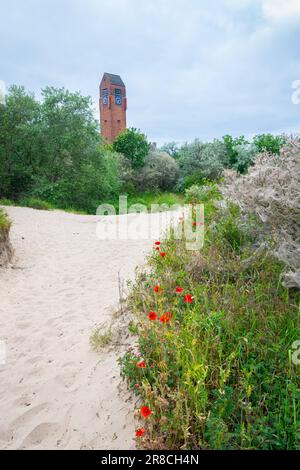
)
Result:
{"points": [[52, 155], [215, 330]]}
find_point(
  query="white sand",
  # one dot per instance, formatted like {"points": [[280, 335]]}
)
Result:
{"points": [[55, 392]]}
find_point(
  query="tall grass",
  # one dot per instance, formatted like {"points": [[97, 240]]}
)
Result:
{"points": [[5, 222], [219, 374]]}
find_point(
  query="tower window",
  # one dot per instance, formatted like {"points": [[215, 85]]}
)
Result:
{"points": [[118, 97], [105, 96]]}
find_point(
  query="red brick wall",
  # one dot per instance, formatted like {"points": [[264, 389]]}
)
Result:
{"points": [[112, 116]]}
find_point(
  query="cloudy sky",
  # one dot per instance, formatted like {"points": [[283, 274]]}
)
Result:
{"points": [[193, 68]]}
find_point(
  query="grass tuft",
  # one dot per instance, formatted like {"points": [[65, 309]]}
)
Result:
{"points": [[101, 338]]}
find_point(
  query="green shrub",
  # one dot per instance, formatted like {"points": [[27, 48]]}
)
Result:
{"points": [[5, 222], [36, 204], [133, 145], [200, 194], [7, 202], [159, 173]]}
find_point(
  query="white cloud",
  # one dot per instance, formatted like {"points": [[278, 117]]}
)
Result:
{"points": [[281, 9]]}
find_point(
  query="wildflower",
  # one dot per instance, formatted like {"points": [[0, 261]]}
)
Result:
{"points": [[136, 386], [157, 289], [166, 317], [157, 243], [195, 224], [188, 299], [157, 248], [152, 316], [162, 254], [141, 365], [179, 290], [145, 411], [140, 432]]}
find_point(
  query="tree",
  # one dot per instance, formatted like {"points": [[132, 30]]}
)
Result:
{"points": [[19, 118], [133, 145], [160, 172], [199, 162], [171, 148], [268, 142], [231, 145]]}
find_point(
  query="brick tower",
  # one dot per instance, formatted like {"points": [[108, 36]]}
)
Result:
{"points": [[113, 105]]}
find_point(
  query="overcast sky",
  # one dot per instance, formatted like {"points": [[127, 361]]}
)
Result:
{"points": [[193, 68]]}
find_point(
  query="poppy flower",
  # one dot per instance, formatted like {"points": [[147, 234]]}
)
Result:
{"points": [[195, 224], [179, 289], [145, 411], [166, 317], [188, 299], [162, 254], [157, 248], [157, 289], [152, 316], [157, 243], [141, 365], [140, 432]]}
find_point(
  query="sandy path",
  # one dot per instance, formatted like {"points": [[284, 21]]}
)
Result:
{"points": [[54, 391]]}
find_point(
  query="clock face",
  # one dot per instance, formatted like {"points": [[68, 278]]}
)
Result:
{"points": [[105, 100], [118, 100]]}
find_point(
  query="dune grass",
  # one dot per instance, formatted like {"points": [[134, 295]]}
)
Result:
{"points": [[5, 222], [100, 338], [216, 373]]}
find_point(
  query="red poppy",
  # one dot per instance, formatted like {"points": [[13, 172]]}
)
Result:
{"points": [[157, 289], [188, 299], [141, 365], [195, 224], [179, 289], [140, 432], [136, 386], [162, 254], [157, 243], [166, 317], [145, 411], [157, 248], [152, 316]]}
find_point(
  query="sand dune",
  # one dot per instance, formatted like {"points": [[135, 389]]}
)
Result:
{"points": [[55, 392]]}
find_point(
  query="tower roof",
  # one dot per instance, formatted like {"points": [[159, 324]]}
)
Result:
{"points": [[113, 79]]}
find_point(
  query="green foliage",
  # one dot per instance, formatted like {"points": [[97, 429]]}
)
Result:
{"points": [[52, 151], [268, 142], [201, 194], [160, 172], [219, 375], [171, 148], [36, 204], [133, 145], [5, 222], [231, 144], [159, 201], [199, 162]]}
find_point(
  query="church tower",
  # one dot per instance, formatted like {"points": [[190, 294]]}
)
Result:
{"points": [[113, 105]]}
